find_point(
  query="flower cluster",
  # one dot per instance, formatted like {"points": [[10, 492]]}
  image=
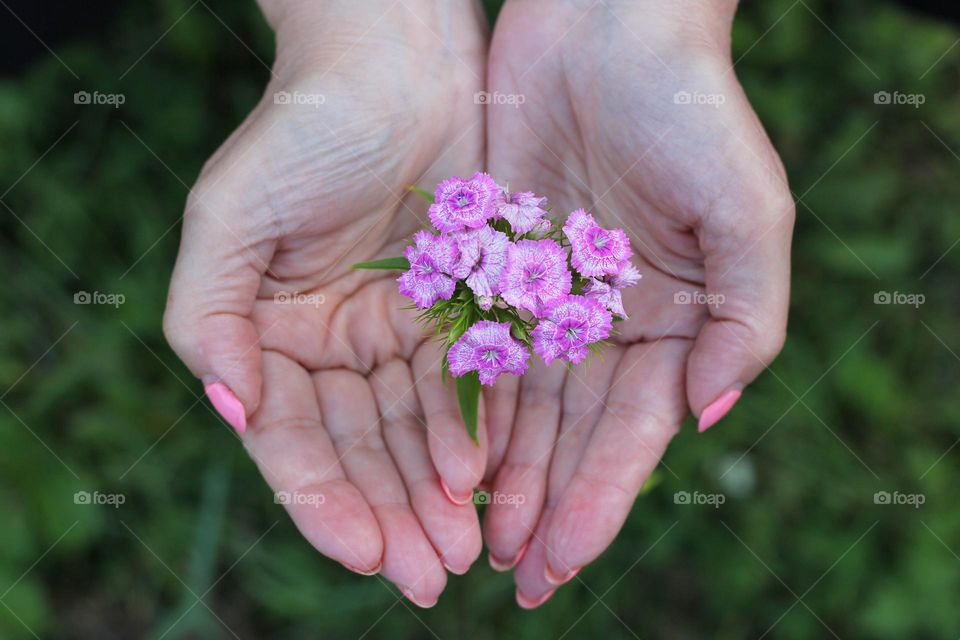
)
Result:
{"points": [[500, 280]]}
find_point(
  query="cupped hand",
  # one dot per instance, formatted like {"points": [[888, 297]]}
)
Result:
{"points": [[632, 110], [335, 393]]}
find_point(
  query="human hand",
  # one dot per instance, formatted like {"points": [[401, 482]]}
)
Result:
{"points": [[633, 107], [328, 382]]}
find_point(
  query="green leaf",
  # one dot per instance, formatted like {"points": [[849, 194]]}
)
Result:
{"points": [[391, 264], [468, 395], [423, 193]]}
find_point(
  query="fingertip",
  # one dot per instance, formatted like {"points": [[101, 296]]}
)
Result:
{"points": [[557, 578], [716, 410], [227, 405], [506, 565], [457, 498], [532, 603]]}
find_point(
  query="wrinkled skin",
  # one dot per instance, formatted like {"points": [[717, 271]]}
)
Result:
{"points": [[295, 196], [345, 403]]}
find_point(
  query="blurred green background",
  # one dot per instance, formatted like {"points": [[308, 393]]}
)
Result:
{"points": [[863, 399]]}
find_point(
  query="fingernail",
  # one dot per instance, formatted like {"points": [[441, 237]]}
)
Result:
{"points": [[412, 598], [556, 579], [717, 409], [364, 572], [527, 603], [459, 500], [227, 405], [454, 570], [500, 565]]}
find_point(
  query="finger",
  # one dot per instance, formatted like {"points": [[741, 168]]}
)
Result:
{"points": [[454, 530], [500, 402], [642, 412], [521, 482], [747, 269], [459, 461], [287, 441], [350, 412], [223, 254], [584, 395], [532, 587]]}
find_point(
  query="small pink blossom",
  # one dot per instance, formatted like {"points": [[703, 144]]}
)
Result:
{"points": [[483, 255], [489, 349], [607, 290], [569, 327], [524, 211], [536, 274], [465, 204], [432, 259], [595, 251]]}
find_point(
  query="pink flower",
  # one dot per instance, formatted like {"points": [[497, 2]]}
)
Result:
{"points": [[466, 204], [594, 250], [606, 290], [432, 259], [483, 255], [488, 348], [536, 274], [524, 211], [569, 326]]}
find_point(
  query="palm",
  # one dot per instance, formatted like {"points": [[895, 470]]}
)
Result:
{"points": [[606, 133], [344, 385]]}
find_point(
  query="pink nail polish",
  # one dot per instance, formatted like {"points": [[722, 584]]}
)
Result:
{"points": [[455, 499], [500, 565], [717, 409], [409, 594], [364, 572], [527, 603], [227, 405], [556, 579]]}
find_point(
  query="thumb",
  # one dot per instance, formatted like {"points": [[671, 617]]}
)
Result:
{"points": [[747, 268], [222, 258]]}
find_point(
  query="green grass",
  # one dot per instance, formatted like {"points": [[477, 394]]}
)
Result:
{"points": [[862, 400]]}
